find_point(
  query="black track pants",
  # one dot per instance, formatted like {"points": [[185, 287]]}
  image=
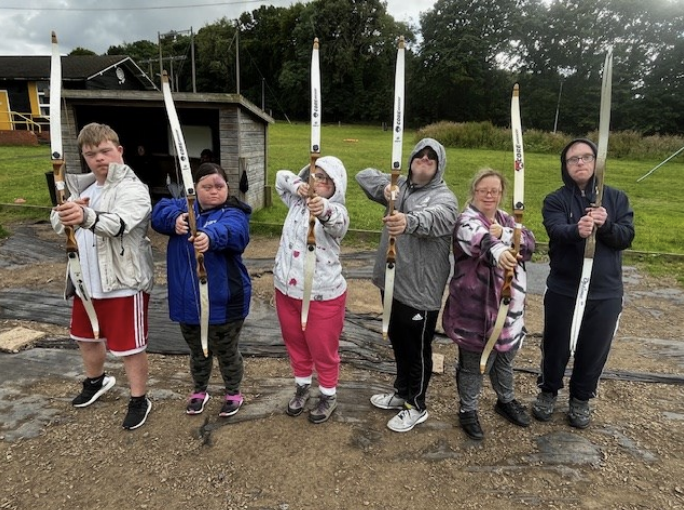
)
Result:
{"points": [[593, 344], [411, 332]]}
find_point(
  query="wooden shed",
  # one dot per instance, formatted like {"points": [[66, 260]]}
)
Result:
{"points": [[234, 129]]}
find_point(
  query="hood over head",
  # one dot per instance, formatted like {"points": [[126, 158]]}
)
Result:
{"points": [[441, 157], [335, 170], [567, 180]]}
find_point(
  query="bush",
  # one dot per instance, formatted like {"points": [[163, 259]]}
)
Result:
{"points": [[484, 135]]}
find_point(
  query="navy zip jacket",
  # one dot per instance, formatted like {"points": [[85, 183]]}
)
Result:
{"points": [[230, 287], [561, 211]]}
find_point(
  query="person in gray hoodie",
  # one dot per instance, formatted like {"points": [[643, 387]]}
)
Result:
{"points": [[423, 223]]}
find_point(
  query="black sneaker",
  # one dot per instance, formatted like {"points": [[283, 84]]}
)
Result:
{"points": [[470, 423], [138, 409], [232, 405], [514, 412], [91, 392]]}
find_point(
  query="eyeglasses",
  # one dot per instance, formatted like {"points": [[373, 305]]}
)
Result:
{"points": [[209, 187], [483, 192], [322, 178], [587, 158]]}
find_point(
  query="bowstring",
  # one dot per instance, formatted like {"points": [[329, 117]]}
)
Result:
{"points": [[191, 259]]}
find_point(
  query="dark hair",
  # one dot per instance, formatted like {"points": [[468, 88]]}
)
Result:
{"points": [[209, 169], [207, 155]]}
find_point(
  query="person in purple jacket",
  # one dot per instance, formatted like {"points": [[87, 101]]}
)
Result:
{"points": [[222, 236], [483, 237]]}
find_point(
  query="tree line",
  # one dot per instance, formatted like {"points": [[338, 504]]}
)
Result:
{"points": [[461, 62]]}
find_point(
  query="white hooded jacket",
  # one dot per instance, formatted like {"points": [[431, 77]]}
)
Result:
{"points": [[288, 272], [120, 227]]}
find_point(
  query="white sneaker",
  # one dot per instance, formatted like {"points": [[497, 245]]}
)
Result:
{"points": [[407, 419], [387, 401]]}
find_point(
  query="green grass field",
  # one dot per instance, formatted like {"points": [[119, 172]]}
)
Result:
{"points": [[659, 209], [657, 202]]}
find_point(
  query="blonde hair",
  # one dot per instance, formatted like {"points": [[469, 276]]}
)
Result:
{"points": [[94, 134], [483, 173]]}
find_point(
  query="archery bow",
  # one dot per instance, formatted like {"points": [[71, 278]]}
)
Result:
{"points": [[58, 164], [310, 256], [599, 175], [190, 196], [397, 145], [518, 209]]}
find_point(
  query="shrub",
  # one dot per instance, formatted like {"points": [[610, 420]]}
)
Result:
{"points": [[484, 135]]}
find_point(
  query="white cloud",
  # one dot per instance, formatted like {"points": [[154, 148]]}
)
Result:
{"points": [[26, 26]]}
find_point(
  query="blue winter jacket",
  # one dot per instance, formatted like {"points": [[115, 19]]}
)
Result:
{"points": [[230, 287]]}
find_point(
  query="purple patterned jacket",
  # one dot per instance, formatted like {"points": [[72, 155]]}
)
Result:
{"points": [[475, 287]]}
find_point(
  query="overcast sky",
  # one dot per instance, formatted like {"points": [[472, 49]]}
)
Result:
{"points": [[25, 25]]}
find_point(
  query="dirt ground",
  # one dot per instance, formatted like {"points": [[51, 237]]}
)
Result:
{"points": [[630, 457]]}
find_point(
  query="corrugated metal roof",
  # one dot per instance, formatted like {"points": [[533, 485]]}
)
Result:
{"points": [[74, 67]]}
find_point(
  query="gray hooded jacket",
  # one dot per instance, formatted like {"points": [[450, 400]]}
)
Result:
{"points": [[423, 264]]}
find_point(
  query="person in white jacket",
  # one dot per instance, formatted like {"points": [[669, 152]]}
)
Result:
{"points": [[110, 209], [318, 346]]}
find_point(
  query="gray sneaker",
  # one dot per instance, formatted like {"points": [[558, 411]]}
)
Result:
{"points": [[295, 406], [324, 409], [542, 409], [579, 413]]}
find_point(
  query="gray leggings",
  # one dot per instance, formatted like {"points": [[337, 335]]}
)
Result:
{"points": [[469, 379]]}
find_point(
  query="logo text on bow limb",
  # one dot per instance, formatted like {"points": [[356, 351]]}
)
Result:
{"points": [[398, 122], [182, 155], [315, 109], [519, 165]]}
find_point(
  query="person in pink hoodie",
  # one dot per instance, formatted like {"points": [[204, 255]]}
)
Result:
{"points": [[318, 346], [483, 238]]}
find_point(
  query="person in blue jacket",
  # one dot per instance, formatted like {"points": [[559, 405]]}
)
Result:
{"points": [[222, 236], [570, 215]]}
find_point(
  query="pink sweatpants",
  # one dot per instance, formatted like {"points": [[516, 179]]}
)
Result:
{"points": [[319, 346]]}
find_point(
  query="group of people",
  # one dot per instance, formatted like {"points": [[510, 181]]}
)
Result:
{"points": [[112, 208]]}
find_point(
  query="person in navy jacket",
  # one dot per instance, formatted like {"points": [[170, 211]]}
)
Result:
{"points": [[222, 236], [569, 217]]}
